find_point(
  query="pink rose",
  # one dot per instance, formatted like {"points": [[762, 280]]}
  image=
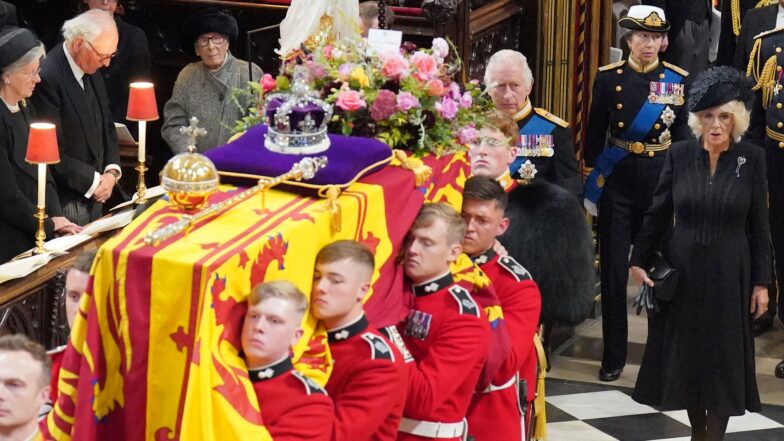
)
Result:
{"points": [[425, 65], [316, 70], [394, 66], [267, 82], [384, 105], [406, 101], [447, 108], [328, 51], [466, 100], [467, 135], [350, 100], [435, 88]]}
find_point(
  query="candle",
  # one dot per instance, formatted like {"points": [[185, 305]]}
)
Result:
{"points": [[41, 185], [142, 139]]}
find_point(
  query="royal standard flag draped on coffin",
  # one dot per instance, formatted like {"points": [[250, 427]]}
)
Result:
{"points": [[154, 353]]}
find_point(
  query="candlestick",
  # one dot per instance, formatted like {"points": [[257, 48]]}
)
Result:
{"points": [[40, 234], [142, 140], [141, 188]]}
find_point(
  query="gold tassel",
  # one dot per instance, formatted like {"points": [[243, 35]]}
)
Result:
{"points": [[753, 60], [332, 205], [735, 6], [540, 415], [767, 81], [421, 171]]}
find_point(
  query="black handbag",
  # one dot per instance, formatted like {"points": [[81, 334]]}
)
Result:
{"points": [[665, 283]]}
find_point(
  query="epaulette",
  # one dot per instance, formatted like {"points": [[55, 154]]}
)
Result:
{"points": [[56, 350], [394, 336], [465, 303], [612, 66], [550, 117], [680, 70], [766, 33], [515, 269], [311, 387], [379, 348]]}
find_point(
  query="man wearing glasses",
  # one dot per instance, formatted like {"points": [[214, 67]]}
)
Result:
{"points": [[544, 139], [74, 98]]}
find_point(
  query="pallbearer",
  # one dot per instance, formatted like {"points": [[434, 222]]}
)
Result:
{"points": [[293, 407], [369, 377], [640, 102], [498, 412]]}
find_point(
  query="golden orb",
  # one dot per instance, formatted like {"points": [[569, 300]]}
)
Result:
{"points": [[189, 179]]}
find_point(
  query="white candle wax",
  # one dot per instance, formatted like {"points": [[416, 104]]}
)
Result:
{"points": [[41, 185], [142, 140]]}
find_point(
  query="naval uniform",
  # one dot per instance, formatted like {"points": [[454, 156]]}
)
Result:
{"points": [[293, 407], [545, 149], [367, 384], [643, 108], [447, 333], [496, 412], [767, 130]]}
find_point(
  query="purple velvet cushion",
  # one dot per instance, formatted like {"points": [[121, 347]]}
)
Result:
{"points": [[349, 158]]}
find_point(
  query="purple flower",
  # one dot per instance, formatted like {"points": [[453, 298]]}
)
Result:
{"points": [[316, 70], [466, 100], [344, 71], [447, 108], [406, 101], [384, 106], [454, 91], [467, 134]]}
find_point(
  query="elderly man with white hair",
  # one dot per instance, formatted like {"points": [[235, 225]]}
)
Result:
{"points": [[544, 139], [74, 98]]}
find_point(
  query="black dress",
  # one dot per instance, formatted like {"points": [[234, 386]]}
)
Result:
{"points": [[19, 188], [700, 350]]}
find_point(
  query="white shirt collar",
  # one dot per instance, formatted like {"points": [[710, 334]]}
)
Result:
{"points": [[77, 71]]}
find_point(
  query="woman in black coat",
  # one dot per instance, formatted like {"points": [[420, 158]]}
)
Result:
{"points": [[20, 55], [712, 192]]}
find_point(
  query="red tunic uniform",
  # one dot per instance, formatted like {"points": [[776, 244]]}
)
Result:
{"points": [[495, 414], [367, 383], [448, 334], [293, 407], [56, 355]]}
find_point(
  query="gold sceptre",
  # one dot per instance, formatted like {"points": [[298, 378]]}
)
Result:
{"points": [[304, 169]]}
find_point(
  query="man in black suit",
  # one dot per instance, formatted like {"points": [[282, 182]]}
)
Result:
{"points": [[756, 21], [72, 97], [689, 35], [7, 14]]}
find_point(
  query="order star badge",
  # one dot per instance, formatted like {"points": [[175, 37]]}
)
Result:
{"points": [[527, 170]]}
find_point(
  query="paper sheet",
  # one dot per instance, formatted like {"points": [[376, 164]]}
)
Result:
{"points": [[22, 267], [114, 222]]}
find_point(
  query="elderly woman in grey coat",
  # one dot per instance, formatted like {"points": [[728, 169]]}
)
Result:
{"points": [[203, 89]]}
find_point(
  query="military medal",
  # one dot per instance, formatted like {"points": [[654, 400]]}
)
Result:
{"points": [[666, 93], [527, 170], [418, 324], [536, 145]]}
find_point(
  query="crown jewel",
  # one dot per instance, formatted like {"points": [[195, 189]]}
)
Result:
{"points": [[297, 120]]}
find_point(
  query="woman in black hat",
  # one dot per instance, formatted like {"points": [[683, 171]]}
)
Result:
{"points": [[20, 55], [700, 352], [203, 89]]}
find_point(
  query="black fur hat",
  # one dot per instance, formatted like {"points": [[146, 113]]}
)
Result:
{"points": [[719, 85], [213, 20]]}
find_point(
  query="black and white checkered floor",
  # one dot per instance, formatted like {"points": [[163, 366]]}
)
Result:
{"points": [[579, 411]]}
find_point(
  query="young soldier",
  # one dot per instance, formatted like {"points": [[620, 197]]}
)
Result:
{"points": [[369, 377], [24, 387], [75, 284], [446, 330], [293, 407], [495, 412]]}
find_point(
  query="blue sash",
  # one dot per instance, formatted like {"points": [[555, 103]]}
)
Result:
{"points": [[642, 124], [535, 126]]}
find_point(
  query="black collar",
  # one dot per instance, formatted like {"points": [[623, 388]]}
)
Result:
{"points": [[346, 332], [271, 371], [485, 257], [432, 286]]}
